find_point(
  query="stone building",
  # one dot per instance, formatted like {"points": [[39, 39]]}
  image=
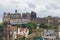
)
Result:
{"points": [[26, 15], [47, 20], [16, 18], [11, 16], [58, 30], [33, 15]]}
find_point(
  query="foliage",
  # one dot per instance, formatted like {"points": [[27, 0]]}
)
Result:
{"points": [[31, 25], [30, 31], [18, 25], [23, 25], [1, 25], [52, 27], [45, 26]]}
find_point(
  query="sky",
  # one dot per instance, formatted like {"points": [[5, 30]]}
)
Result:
{"points": [[43, 8]]}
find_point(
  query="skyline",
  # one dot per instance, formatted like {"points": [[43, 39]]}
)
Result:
{"points": [[43, 8]]}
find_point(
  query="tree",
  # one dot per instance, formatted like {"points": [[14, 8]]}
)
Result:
{"points": [[45, 26], [51, 27], [1, 25], [1, 30], [31, 25], [23, 25], [18, 25]]}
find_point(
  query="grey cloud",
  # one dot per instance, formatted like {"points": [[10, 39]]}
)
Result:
{"points": [[31, 5], [45, 13], [14, 2], [53, 6]]}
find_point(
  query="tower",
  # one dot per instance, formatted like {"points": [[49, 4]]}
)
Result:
{"points": [[15, 11], [33, 15]]}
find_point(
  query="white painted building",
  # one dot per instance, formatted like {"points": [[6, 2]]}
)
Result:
{"points": [[49, 34], [23, 31], [18, 32], [59, 34]]}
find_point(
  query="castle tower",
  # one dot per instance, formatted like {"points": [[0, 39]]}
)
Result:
{"points": [[33, 15], [15, 11]]}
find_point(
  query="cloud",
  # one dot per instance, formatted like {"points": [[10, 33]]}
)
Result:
{"points": [[45, 13], [14, 2], [53, 6], [31, 5], [5, 2]]}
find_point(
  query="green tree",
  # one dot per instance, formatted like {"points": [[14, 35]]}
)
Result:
{"points": [[45, 26], [1, 25], [51, 27], [18, 25], [23, 26], [31, 25]]}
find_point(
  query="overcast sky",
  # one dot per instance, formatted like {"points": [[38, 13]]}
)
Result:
{"points": [[43, 8]]}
